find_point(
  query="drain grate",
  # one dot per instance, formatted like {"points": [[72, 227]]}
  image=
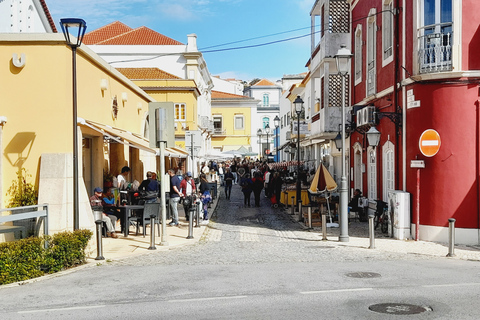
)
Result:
{"points": [[363, 275], [398, 308]]}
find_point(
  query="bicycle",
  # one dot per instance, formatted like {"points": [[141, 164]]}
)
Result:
{"points": [[381, 216]]}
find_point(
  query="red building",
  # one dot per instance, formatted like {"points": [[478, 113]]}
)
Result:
{"points": [[416, 67]]}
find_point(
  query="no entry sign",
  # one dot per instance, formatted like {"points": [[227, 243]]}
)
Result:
{"points": [[429, 143]]}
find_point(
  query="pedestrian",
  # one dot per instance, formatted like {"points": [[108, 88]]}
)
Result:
{"points": [[175, 195], [187, 186], [257, 187], [246, 185], [205, 196], [221, 173], [266, 178], [228, 183], [233, 168]]}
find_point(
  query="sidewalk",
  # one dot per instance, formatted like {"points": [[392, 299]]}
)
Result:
{"points": [[123, 247]]}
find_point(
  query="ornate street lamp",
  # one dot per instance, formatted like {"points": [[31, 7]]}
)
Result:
{"points": [[343, 58], [260, 147], [298, 110], [373, 137], [74, 43], [267, 130], [276, 122]]}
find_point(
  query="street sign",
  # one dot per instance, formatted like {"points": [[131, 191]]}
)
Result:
{"points": [[429, 143], [267, 151], [417, 164]]}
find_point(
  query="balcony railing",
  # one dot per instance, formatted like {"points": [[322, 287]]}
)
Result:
{"points": [[219, 132], [435, 48]]}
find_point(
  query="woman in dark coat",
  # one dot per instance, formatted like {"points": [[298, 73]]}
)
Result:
{"points": [[246, 185], [257, 187]]}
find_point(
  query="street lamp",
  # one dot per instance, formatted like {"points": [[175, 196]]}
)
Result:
{"points": [[342, 58], [74, 43], [276, 122], [373, 137], [298, 110], [267, 130], [259, 134]]}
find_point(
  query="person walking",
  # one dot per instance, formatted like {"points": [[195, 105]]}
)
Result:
{"points": [[205, 196], [228, 183], [221, 173], [175, 195], [187, 186], [257, 187], [246, 185]]}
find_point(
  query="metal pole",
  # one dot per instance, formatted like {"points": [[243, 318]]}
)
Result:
{"points": [[276, 144], [299, 183], [293, 205], [163, 241], [191, 214], [343, 182], [197, 214], [451, 237], [268, 147], [417, 208], [300, 211], [152, 233], [371, 231], [99, 240], [324, 225], [310, 217], [76, 217]]}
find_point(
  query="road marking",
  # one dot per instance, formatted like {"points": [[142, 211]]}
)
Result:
{"points": [[451, 285], [63, 309], [208, 299], [214, 234], [249, 234], [285, 236], [338, 290]]}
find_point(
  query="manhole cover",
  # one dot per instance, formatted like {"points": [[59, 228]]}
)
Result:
{"points": [[397, 308], [363, 275]]}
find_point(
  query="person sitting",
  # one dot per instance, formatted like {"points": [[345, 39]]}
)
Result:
{"points": [[149, 189], [354, 203], [109, 220]]}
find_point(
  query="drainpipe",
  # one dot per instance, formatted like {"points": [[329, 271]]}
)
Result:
{"points": [[404, 95], [395, 89]]}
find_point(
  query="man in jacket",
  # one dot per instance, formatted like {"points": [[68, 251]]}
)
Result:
{"points": [[187, 187]]}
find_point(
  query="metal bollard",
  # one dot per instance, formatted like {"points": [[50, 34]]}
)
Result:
{"points": [[197, 214], [324, 225], [451, 237], [371, 231], [310, 217], [152, 233], [293, 205], [190, 222], [99, 240], [300, 211]]}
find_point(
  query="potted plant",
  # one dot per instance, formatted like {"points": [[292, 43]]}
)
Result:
{"points": [[107, 179]]}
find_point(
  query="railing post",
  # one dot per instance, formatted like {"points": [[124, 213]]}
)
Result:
{"points": [[371, 231], [152, 233], [451, 237]]}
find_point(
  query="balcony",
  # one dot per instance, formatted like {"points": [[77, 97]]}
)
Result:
{"points": [[435, 48], [219, 132]]}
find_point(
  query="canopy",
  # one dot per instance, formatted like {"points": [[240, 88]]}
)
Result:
{"points": [[322, 181]]}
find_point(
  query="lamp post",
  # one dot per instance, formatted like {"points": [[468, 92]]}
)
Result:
{"points": [[74, 43], [298, 110], [342, 58], [276, 122], [267, 130], [259, 134]]}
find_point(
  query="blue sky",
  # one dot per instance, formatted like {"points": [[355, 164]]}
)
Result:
{"points": [[215, 22]]}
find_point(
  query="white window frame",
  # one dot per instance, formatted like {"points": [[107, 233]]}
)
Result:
{"points": [[179, 107], [266, 98], [371, 85], [221, 121], [357, 167], [387, 32], [265, 121], [388, 172], [358, 54], [239, 116], [372, 173]]}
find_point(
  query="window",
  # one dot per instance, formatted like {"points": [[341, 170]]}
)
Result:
{"points": [[372, 173], [265, 121], [388, 169], [358, 54], [266, 100], [217, 124], [180, 111], [371, 49], [387, 31], [239, 123], [357, 167]]}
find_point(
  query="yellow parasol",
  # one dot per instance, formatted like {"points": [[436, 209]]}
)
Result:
{"points": [[322, 181]]}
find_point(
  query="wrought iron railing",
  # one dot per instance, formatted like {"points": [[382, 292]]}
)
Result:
{"points": [[435, 47], [219, 132]]}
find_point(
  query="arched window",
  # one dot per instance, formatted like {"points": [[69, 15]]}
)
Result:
{"points": [[265, 121], [388, 151], [372, 173], [266, 100], [357, 167]]}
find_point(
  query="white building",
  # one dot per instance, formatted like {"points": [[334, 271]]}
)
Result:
{"points": [[25, 16]]}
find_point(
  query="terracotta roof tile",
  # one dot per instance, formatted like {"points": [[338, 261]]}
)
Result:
{"points": [[146, 74], [140, 36], [224, 95], [106, 32], [49, 16], [264, 82]]}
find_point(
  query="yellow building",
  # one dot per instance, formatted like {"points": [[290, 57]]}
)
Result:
{"points": [[232, 121], [36, 131]]}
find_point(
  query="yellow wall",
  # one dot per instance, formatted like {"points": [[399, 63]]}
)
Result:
{"points": [[233, 137], [37, 101]]}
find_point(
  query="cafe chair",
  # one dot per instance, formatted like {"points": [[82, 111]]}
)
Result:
{"points": [[142, 217]]}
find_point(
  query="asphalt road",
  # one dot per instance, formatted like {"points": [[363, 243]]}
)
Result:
{"points": [[255, 263]]}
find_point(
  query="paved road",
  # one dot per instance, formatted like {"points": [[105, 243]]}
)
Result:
{"points": [[255, 263]]}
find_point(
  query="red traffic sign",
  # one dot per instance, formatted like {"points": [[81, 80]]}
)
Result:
{"points": [[267, 151], [429, 143]]}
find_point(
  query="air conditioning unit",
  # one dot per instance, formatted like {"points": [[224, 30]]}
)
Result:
{"points": [[365, 116]]}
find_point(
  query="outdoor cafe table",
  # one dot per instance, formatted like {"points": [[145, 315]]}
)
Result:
{"points": [[124, 212]]}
